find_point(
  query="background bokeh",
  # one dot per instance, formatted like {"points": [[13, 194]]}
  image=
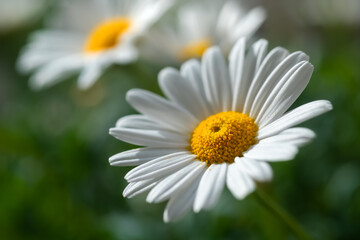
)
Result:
{"points": [[56, 182]]}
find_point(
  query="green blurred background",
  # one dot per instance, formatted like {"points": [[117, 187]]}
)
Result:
{"points": [[56, 183]]}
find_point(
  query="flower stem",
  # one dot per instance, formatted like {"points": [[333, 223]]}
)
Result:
{"points": [[281, 213]]}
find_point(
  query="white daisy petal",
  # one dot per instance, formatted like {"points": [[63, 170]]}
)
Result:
{"points": [[285, 94], [210, 187], [273, 91], [150, 138], [135, 188], [161, 110], [176, 182], [258, 170], [160, 167], [97, 64], [55, 71], [239, 183], [271, 152], [139, 156], [250, 23], [32, 59], [236, 64], [260, 49], [124, 54], [191, 71], [181, 203], [295, 117], [89, 74], [178, 90], [296, 136], [150, 13], [66, 41], [216, 80], [243, 68], [275, 79], [267, 66], [229, 19], [139, 121]]}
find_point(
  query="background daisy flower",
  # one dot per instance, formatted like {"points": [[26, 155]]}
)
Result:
{"points": [[88, 37], [201, 24], [221, 125]]}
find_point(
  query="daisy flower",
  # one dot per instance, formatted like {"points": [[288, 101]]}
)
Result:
{"points": [[220, 125], [87, 37], [199, 25]]}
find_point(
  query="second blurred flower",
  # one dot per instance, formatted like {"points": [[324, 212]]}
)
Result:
{"points": [[88, 36], [199, 25]]}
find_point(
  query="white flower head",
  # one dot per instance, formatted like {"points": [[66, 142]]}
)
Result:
{"points": [[201, 24], [220, 125], [89, 36]]}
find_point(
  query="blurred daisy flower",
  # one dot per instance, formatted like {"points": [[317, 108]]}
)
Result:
{"points": [[88, 37], [220, 125], [199, 25]]}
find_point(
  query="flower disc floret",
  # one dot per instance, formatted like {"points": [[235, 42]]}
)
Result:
{"points": [[195, 49], [222, 137], [106, 35]]}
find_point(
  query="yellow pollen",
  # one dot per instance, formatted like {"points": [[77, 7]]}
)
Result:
{"points": [[106, 35], [222, 137], [194, 49]]}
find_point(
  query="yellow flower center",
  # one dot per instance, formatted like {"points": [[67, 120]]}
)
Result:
{"points": [[194, 49], [106, 35], [222, 137]]}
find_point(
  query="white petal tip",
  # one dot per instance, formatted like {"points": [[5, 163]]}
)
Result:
{"points": [[166, 217], [112, 159], [295, 151], [262, 41], [189, 62], [240, 197], [35, 85], [308, 133], [292, 154], [125, 193], [131, 93], [211, 51], [127, 176], [261, 11], [84, 85], [197, 207], [242, 41], [112, 131], [149, 199], [152, 198], [328, 106], [165, 72]]}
